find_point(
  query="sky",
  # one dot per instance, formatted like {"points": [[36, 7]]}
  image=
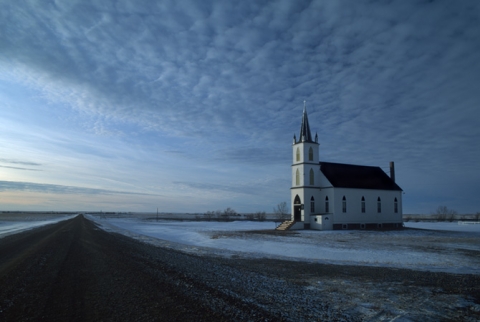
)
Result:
{"points": [[190, 106]]}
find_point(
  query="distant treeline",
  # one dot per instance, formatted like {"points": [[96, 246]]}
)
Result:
{"points": [[442, 213]]}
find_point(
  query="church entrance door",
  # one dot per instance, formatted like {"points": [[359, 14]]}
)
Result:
{"points": [[297, 209]]}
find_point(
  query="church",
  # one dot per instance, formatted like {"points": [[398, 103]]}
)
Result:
{"points": [[326, 195]]}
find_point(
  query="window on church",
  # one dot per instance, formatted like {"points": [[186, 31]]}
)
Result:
{"points": [[395, 206], [379, 205], [312, 177], [327, 208], [297, 178], [363, 205], [298, 154], [344, 204], [310, 154], [312, 205]]}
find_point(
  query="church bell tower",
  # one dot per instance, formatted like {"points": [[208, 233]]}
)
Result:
{"points": [[305, 167]]}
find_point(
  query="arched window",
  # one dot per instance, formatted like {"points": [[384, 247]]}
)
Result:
{"points": [[312, 205], [312, 177], [344, 204], [327, 208], [297, 200], [298, 154], [379, 205], [310, 154], [363, 205], [297, 178], [395, 206]]}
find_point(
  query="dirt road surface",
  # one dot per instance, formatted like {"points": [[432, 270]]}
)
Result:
{"points": [[74, 271]]}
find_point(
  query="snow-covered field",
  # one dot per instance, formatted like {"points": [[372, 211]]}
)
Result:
{"points": [[445, 247], [17, 223]]}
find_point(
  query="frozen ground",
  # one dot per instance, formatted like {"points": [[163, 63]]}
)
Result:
{"points": [[13, 224], [350, 292], [442, 247]]}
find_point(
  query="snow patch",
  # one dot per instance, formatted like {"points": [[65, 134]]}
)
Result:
{"points": [[14, 227], [444, 247]]}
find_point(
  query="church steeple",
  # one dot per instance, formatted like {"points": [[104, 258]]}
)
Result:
{"points": [[305, 134], [305, 172]]}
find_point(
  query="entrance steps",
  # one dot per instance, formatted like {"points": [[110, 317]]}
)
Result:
{"points": [[285, 225]]}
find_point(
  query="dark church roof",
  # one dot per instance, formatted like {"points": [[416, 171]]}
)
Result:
{"points": [[357, 176], [305, 128]]}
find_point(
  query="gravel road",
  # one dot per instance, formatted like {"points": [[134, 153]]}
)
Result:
{"points": [[74, 271]]}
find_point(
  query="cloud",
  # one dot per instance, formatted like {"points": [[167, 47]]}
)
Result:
{"points": [[58, 189], [19, 162], [219, 64], [211, 187], [257, 187], [12, 161], [254, 155], [226, 80], [18, 168], [139, 81]]}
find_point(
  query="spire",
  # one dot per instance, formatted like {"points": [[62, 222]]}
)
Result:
{"points": [[305, 135]]}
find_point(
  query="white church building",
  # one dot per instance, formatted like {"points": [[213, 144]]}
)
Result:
{"points": [[326, 195]]}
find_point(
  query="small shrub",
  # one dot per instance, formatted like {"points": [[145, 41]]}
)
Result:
{"points": [[209, 215], [443, 213], [260, 216], [228, 213], [281, 211], [452, 216]]}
